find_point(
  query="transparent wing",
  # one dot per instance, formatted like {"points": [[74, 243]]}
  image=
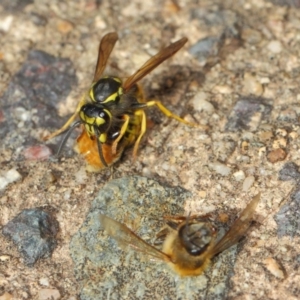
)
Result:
{"points": [[153, 62], [125, 237], [238, 228], [106, 46]]}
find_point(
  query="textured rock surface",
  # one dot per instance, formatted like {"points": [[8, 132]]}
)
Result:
{"points": [[130, 274], [247, 50]]}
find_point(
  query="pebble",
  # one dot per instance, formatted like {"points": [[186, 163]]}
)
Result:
{"points": [[248, 182], [44, 281], [290, 171], [200, 103], [288, 217], [275, 47], [6, 296], [223, 89], [6, 22], [252, 85], [251, 36], [33, 231], [279, 143], [220, 168], [10, 176], [22, 114], [276, 155], [81, 176], [38, 152], [49, 294], [239, 175], [274, 268], [64, 26]]}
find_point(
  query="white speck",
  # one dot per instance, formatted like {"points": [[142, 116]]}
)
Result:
{"points": [[9, 177], [22, 114], [81, 176], [220, 168], [6, 23], [239, 175], [200, 103], [275, 47], [44, 281]]}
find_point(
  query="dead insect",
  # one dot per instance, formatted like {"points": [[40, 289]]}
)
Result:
{"points": [[189, 245]]}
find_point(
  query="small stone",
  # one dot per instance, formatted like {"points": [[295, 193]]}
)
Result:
{"points": [[44, 281], [239, 175], [276, 155], [252, 85], [288, 115], [274, 268], [265, 136], [5, 23], [247, 114], [248, 182], [288, 217], [33, 231], [275, 47], [293, 135], [38, 152], [64, 26], [220, 168], [49, 294], [22, 114], [205, 48], [281, 132], [279, 143], [290, 171], [223, 89], [6, 296], [200, 103], [8, 177], [251, 36]]}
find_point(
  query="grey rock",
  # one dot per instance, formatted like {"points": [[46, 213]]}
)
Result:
{"points": [[105, 271], [33, 231]]}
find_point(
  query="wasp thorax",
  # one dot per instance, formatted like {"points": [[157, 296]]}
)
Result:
{"points": [[196, 237], [106, 89]]}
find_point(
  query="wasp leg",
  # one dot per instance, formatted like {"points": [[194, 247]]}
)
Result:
{"points": [[142, 132], [68, 123], [169, 114], [122, 132]]}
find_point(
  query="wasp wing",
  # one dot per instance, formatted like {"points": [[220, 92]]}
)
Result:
{"points": [[125, 237], [105, 47], [153, 62], [238, 228]]}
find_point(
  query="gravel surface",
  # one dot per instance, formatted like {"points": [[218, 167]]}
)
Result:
{"points": [[238, 75]]}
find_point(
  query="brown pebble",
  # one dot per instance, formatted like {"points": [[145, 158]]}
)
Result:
{"points": [[64, 26], [276, 155], [274, 268], [223, 217]]}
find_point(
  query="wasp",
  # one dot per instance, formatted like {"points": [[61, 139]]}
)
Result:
{"points": [[111, 112], [190, 242]]}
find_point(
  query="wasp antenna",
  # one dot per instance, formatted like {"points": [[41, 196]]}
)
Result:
{"points": [[100, 150], [66, 137]]}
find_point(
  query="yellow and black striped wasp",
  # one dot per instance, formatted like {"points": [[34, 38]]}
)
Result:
{"points": [[112, 112]]}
